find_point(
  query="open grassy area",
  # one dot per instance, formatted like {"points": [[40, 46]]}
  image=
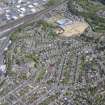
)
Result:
{"points": [[48, 27], [53, 2]]}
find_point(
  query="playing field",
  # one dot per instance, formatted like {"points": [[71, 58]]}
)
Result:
{"points": [[74, 29]]}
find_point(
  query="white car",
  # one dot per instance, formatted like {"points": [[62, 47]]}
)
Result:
{"points": [[35, 4], [6, 48], [18, 6], [15, 17], [21, 15], [33, 10], [23, 9], [30, 6]]}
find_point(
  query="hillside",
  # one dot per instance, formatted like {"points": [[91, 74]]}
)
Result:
{"points": [[90, 10]]}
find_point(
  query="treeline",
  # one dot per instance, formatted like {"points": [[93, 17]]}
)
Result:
{"points": [[97, 23], [102, 1]]}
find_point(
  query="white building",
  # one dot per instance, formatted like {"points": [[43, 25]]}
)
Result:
{"points": [[2, 69]]}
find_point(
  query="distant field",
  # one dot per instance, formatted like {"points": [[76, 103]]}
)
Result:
{"points": [[75, 29], [90, 9]]}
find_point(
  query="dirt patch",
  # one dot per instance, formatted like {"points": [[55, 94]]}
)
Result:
{"points": [[74, 29]]}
